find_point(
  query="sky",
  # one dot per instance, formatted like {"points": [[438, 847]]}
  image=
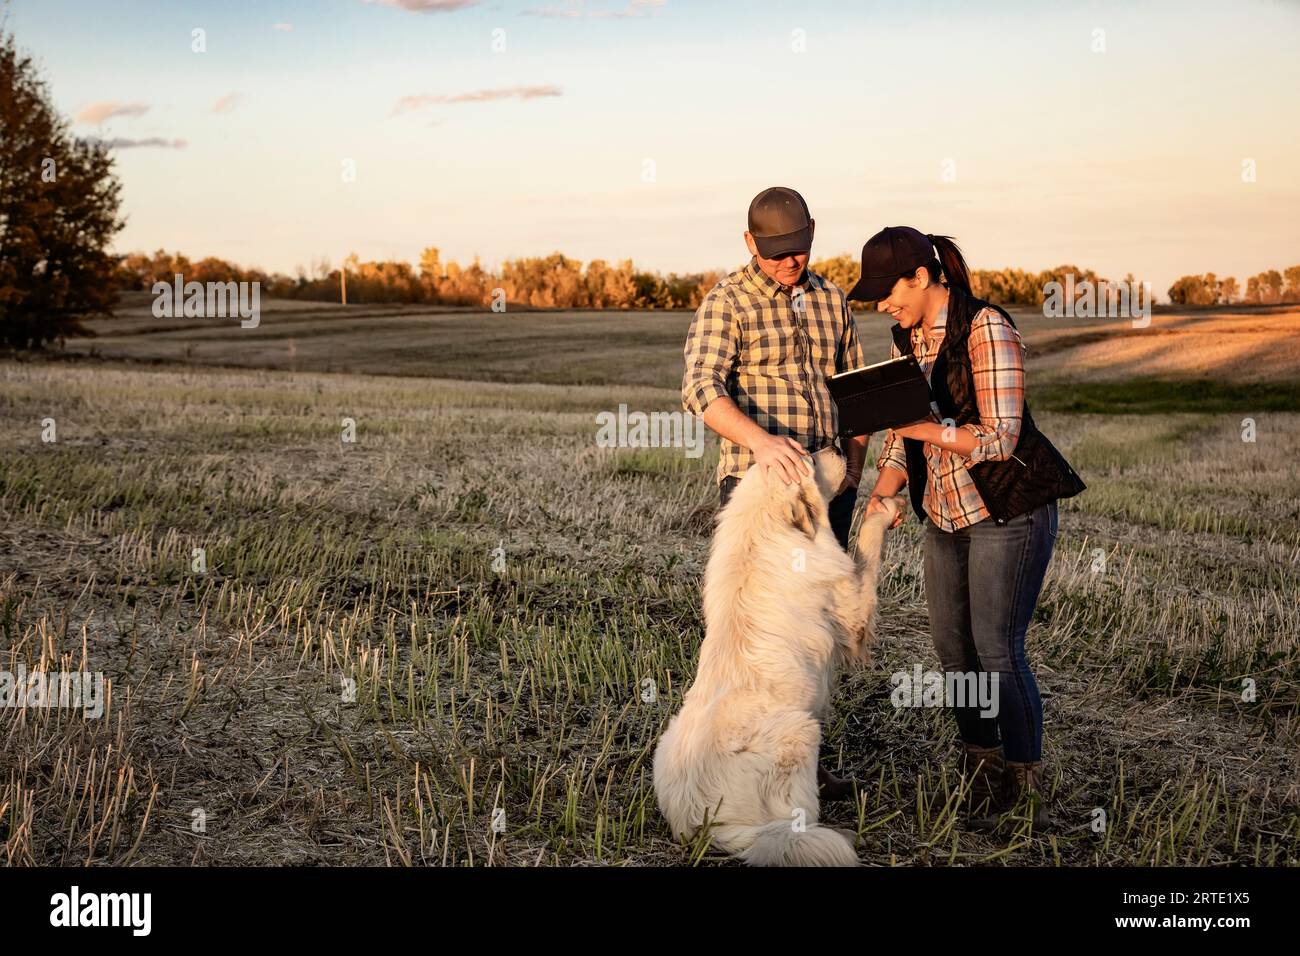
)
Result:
{"points": [[1157, 138]]}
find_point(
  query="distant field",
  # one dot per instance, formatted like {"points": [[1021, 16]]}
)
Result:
{"points": [[590, 348], [1210, 360], [512, 679]]}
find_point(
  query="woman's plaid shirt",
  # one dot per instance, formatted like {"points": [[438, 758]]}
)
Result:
{"points": [[997, 362], [771, 348]]}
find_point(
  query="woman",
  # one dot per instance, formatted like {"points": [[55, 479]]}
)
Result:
{"points": [[985, 481]]}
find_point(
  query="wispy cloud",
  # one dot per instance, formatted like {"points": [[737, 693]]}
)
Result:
{"points": [[578, 10], [282, 26], [227, 103], [153, 141], [426, 6], [98, 112], [417, 100]]}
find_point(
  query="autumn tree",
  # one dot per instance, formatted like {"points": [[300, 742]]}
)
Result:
{"points": [[842, 270], [59, 205], [1292, 276], [1264, 288], [431, 274], [1195, 290]]}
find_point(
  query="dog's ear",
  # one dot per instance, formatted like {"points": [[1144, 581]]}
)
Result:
{"points": [[803, 514]]}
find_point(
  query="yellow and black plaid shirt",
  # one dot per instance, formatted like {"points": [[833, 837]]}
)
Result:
{"points": [[771, 348]]}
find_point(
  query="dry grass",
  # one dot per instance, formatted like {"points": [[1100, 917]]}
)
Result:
{"points": [[520, 690], [645, 348], [1243, 347]]}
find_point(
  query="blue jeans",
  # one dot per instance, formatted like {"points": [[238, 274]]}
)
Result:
{"points": [[981, 585]]}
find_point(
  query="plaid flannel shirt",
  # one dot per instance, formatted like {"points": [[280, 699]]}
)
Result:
{"points": [[997, 361], [751, 341]]}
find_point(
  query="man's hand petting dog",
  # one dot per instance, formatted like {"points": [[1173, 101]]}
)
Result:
{"points": [[783, 456]]}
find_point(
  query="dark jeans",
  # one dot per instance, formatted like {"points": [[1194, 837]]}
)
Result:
{"points": [[981, 585], [840, 508]]}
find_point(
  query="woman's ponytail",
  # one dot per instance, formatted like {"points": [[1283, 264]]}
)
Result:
{"points": [[955, 270]]}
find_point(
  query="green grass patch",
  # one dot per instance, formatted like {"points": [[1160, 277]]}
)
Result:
{"points": [[1150, 396]]}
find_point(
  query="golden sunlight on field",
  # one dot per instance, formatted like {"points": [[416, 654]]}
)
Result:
{"points": [[644, 347], [1225, 345]]}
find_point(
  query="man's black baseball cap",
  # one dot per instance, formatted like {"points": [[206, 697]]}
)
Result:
{"points": [[890, 254], [779, 223]]}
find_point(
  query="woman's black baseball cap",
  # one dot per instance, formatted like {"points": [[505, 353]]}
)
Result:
{"points": [[890, 254]]}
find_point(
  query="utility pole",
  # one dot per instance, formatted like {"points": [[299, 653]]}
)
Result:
{"points": [[343, 280]]}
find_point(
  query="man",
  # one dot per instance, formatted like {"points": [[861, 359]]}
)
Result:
{"points": [[758, 354], [760, 349]]}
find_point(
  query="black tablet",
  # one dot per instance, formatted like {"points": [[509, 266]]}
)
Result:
{"points": [[884, 395]]}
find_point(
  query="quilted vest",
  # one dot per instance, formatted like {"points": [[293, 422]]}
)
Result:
{"points": [[1036, 472]]}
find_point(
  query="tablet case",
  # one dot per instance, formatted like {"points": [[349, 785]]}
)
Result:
{"points": [[884, 395]]}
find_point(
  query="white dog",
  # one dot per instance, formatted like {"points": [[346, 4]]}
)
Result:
{"points": [[784, 608]]}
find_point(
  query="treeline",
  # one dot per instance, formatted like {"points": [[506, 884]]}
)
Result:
{"points": [[1018, 287], [557, 281], [553, 281], [1266, 288], [1003, 286]]}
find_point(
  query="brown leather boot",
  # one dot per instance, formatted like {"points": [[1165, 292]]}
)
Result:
{"points": [[985, 771], [1026, 789], [833, 789]]}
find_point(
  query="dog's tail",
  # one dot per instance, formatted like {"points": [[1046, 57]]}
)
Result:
{"points": [[779, 844]]}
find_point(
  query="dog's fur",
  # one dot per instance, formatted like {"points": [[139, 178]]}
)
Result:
{"points": [[741, 755]]}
